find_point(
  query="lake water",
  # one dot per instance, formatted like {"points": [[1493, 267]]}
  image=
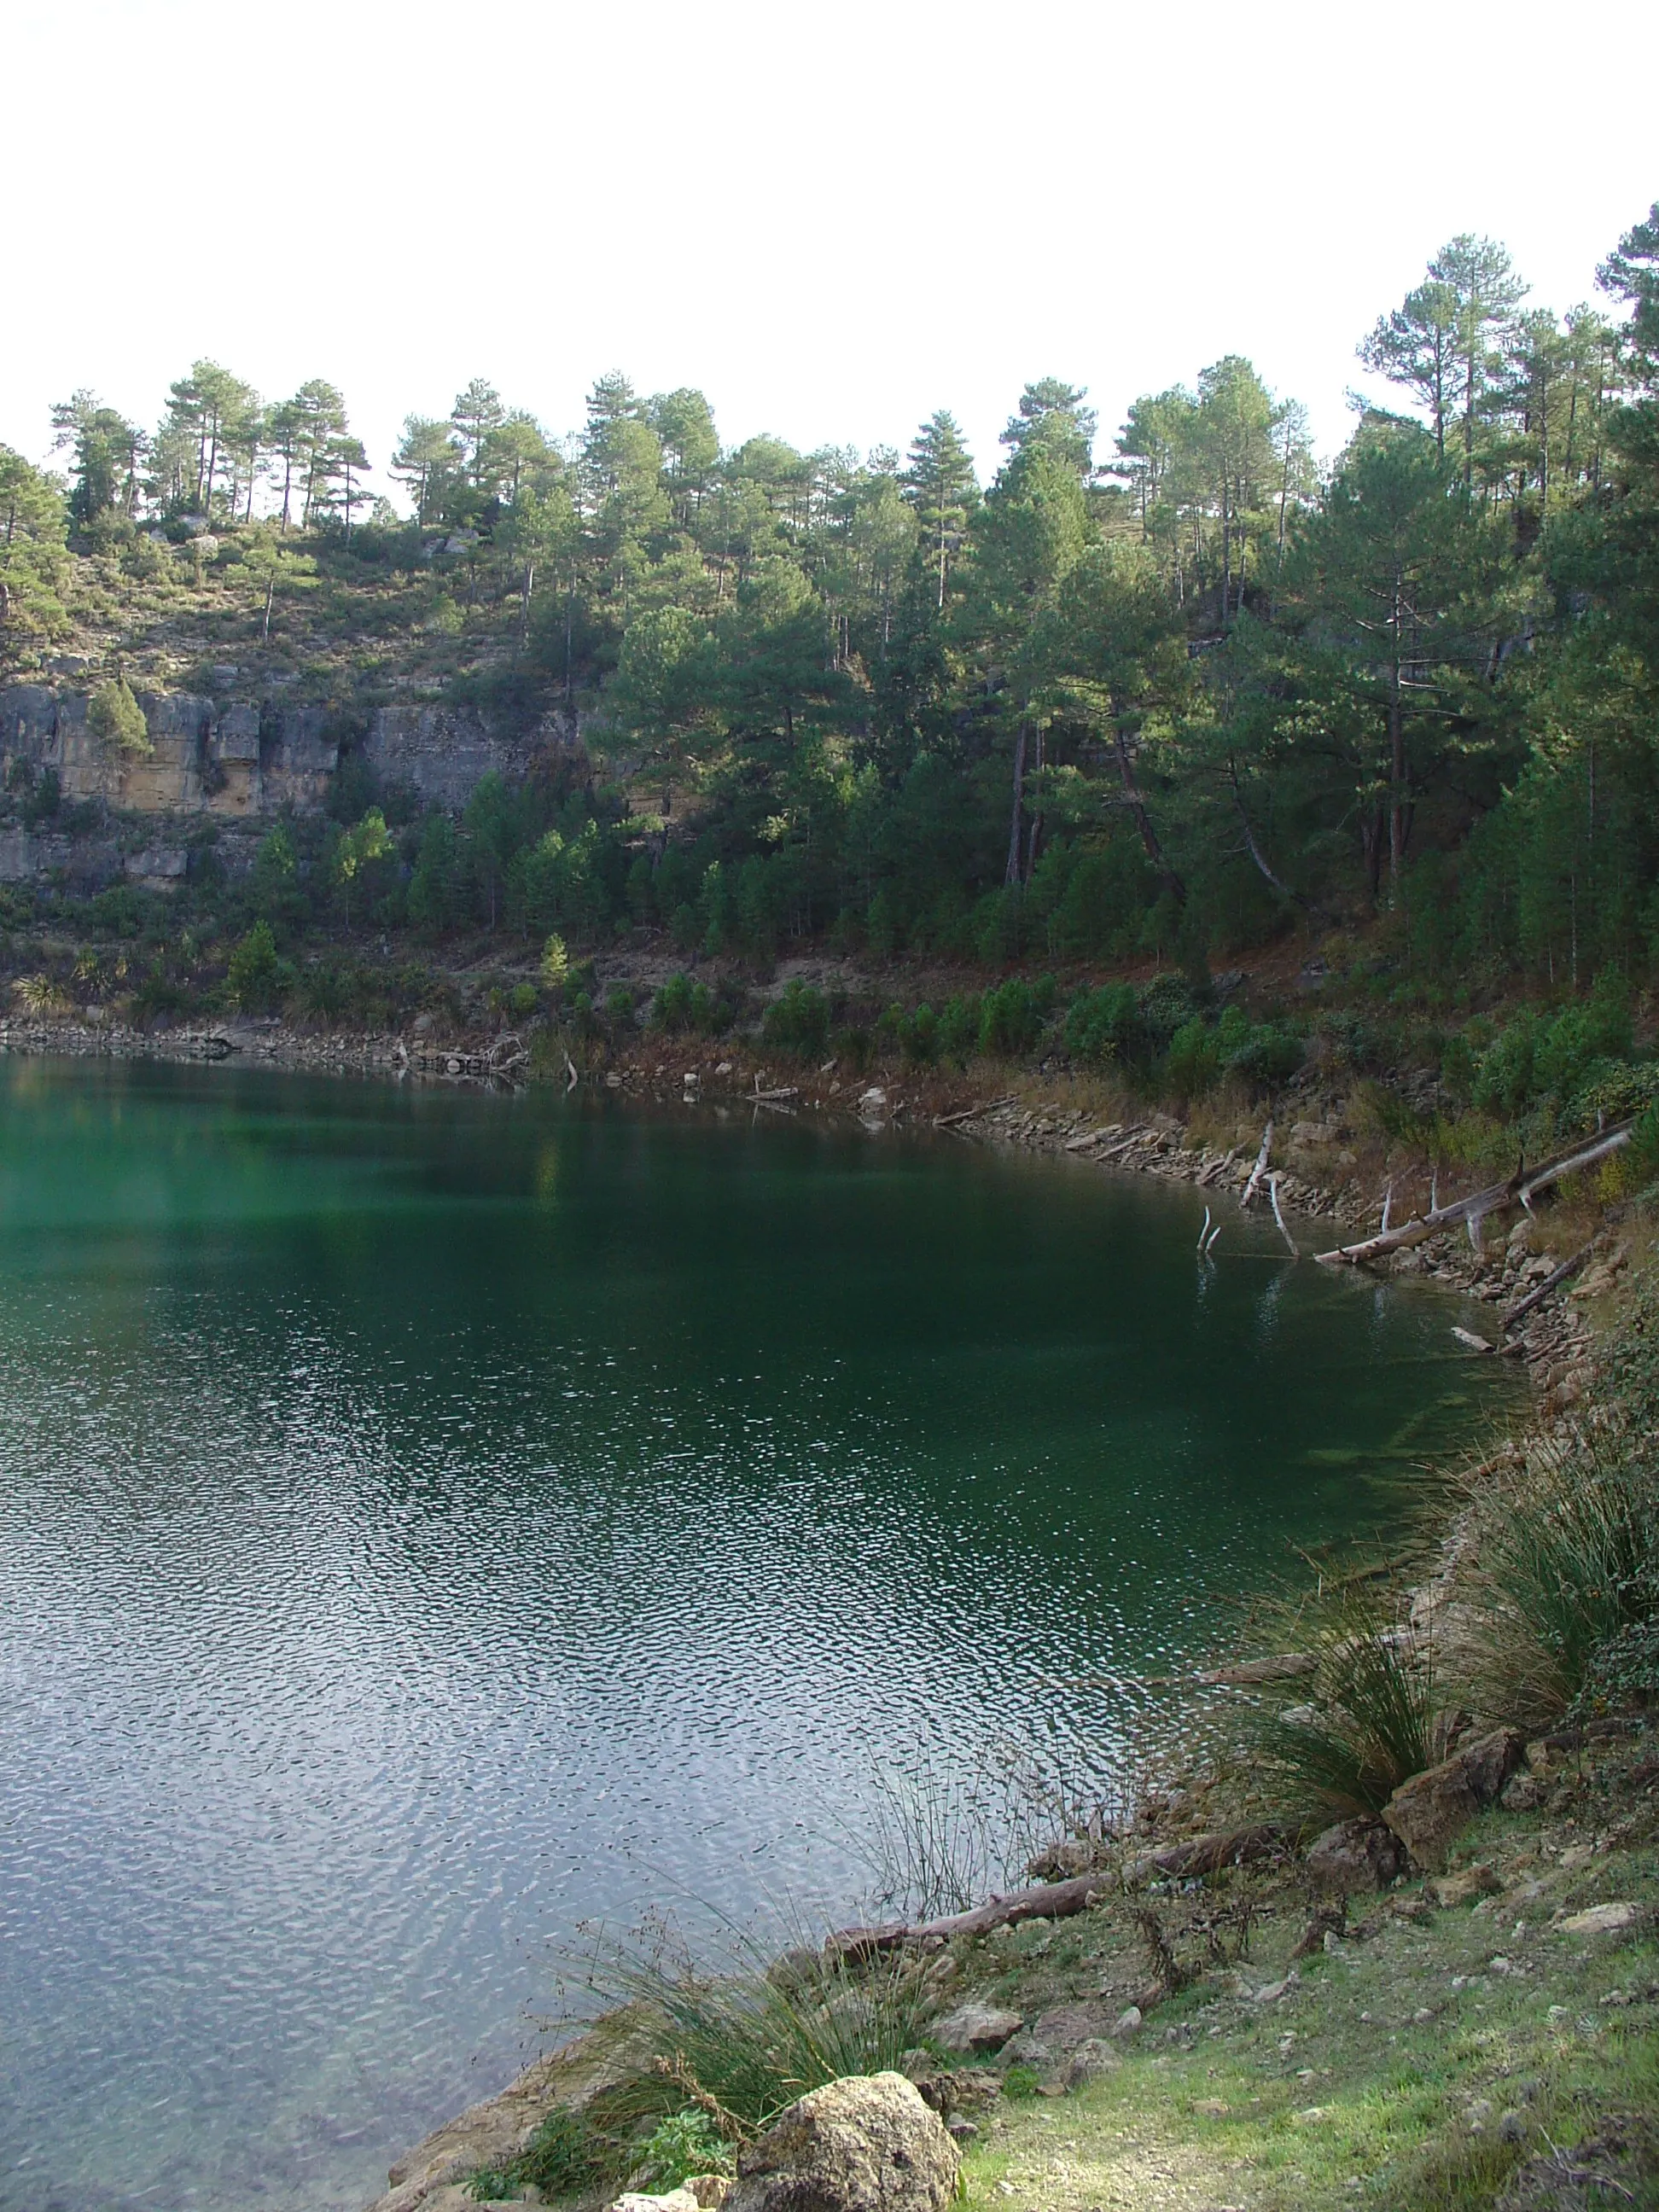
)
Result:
{"points": [[428, 1521]]}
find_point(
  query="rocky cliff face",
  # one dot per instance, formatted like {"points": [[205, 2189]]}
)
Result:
{"points": [[240, 757]]}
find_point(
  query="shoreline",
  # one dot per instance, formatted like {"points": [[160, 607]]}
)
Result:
{"points": [[1036, 1116]]}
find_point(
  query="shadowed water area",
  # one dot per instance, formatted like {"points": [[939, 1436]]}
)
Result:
{"points": [[428, 1521]]}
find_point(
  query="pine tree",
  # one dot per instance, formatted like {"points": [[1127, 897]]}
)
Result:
{"points": [[940, 485]]}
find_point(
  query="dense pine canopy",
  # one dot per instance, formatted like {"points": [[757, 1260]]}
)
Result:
{"points": [[1158, 695]]}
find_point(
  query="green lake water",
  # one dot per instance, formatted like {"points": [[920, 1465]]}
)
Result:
{"points": [[430, 1521]]}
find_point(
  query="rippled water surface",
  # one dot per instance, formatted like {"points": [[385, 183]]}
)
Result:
{"points": [[427, 1520]]}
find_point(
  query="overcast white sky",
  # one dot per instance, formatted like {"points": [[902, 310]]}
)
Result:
{"points": [[833, 219]]}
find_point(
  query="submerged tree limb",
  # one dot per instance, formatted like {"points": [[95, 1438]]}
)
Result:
{"points": [[1278, 1215]]}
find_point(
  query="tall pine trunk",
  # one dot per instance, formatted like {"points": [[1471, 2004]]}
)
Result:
{"points": [[1011, 874]]}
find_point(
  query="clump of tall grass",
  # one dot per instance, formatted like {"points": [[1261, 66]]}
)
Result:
{"points": [[42, 998], [738, 2041], [1369, 1710], [1565, 1566]]}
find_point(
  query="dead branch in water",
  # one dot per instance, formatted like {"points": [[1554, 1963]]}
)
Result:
{"points": [[1261, 1167], [1279, 1214]]}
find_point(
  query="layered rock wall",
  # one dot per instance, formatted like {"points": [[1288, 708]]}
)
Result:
{"points": [[238, 757]]}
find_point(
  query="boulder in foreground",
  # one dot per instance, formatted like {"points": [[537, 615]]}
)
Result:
{"points": [[866, 2143], [976, 2028], [1355, 1854], [1427, 1812]]}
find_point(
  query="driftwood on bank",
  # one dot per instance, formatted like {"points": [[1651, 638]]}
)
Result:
{"points": [[1567, 1164], [1122, 1143], [970, 1113], [1553, 1281], [1519, 1189], [1060, 1901], [1048, 1900], [1209, 1854]]}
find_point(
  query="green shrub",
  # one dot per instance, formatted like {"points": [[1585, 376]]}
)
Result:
{"points": [[158, 993], [684, 2143], [619, 1006], [797, 1022], [1166, 1003], [1535, 1058], [323, 991], [958, 1029], [672, 1008], [1194, 1060], [40, 797], [118, 911], [920, 1036], [1505, 1072], [1625, 1672], [565, 2156], [1267, 1056], [256, 977], [114, 715], [1010, 1019], [1021, 2081], [851, 1047], [1103, 1027]]}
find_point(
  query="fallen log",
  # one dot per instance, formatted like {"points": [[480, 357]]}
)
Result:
{"points": [[1209, 1854], [1049, 1900], [1553, 1281], [1122, 1143], [1569, 1163], [1475, 1207], [970, 1113], [1519, 1190]]}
